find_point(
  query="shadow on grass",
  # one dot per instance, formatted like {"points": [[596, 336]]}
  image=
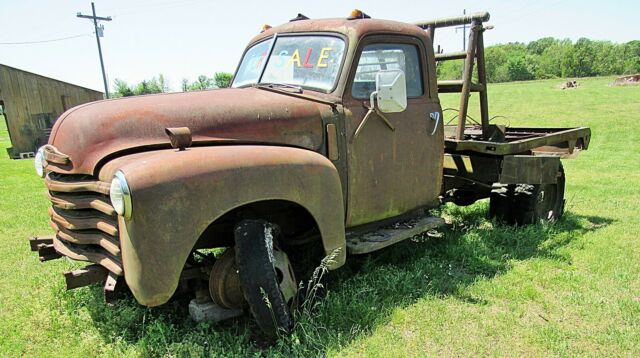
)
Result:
{"points": [[362, 294]]}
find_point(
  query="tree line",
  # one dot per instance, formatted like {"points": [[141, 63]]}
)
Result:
{"points": [[540, 59], [552, 58], [160, 85]]}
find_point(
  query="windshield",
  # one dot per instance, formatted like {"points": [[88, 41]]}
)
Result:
{"points": [[307, 61]]}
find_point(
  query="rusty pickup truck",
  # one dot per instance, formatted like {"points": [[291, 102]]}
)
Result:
{"points": [[330, 141]]}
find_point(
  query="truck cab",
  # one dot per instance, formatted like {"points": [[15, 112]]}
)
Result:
{"points": [[378, 154], [330, 137]]}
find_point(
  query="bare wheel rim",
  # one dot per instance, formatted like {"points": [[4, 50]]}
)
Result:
{"points": [[285, 276]]}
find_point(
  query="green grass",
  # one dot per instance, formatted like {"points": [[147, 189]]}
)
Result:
{"points": [[568, 289]]}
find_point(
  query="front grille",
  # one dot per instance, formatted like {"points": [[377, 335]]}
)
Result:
{"points": [[84, 221]]}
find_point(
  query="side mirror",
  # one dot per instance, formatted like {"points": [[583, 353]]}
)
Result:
{"points": [[391, 91]]}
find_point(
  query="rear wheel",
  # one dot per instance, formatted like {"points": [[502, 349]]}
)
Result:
{"points": [[523, 204], [266, 276]]}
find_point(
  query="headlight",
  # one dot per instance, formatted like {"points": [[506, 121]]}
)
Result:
{"points": [[39, 162], [120, 195]]}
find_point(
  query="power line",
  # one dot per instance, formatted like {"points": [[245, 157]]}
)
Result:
{"points": [[44, 41]]}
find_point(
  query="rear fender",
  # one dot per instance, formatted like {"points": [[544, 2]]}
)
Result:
{"points": [[176, 195]]}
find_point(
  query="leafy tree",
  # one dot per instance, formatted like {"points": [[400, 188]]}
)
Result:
{"points": [[222, 79], [538, 47], [449, 70], [163, 84], [517, 68], [202, 83], [580, 59], [154, 85], [122, 89], [631, 51], [550, 62]]}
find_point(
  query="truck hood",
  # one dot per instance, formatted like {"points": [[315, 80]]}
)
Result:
{"points": [[92, 132]]}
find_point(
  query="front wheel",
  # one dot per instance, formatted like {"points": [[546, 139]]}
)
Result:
{"points": [[266, 276], [523, 204]]}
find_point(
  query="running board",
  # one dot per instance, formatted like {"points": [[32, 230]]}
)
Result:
{"points": [[390, 234]]}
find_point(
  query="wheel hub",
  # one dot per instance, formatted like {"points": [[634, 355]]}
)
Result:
{"points": [[224, 281]]}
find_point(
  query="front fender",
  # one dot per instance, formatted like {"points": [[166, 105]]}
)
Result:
{"points": [[177, 194]]}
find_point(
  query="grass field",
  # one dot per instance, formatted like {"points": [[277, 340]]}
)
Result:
{"points": [[568, 289]]}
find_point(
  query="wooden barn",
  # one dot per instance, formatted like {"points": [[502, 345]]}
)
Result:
{"points": [[31, 104]]}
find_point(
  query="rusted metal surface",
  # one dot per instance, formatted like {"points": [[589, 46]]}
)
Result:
{"points": [[454, 20], [455, 86], [35, 241], [530, 169], [224, 282], [389, 235], [67, 184], [332, 142], [524, 140], [88, 134], [109, 243], [80, 220], [52, 155], [110, 288], [85, 276], [177, 195], [382, 163], [81, 201], [180, 137], [86, 253], [48, 252]]}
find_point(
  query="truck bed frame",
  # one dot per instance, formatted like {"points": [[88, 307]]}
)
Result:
{"points": [[486, 138], [482, 156]]}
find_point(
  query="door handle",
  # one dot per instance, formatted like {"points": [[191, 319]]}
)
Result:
{"points": [[435, 116]]}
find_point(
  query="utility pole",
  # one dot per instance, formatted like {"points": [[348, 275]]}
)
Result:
{"points": [[95, 26], [464, 32]]}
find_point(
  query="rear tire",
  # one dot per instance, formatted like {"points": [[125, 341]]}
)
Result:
{"points": [[259, 278], [524, 204]]}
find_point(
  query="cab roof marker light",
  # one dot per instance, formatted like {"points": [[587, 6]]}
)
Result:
{"points": [[265, 27], [357, 14], [299, 17]]}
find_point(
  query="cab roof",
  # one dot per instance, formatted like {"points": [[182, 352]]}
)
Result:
{"points": [[353, 29]]}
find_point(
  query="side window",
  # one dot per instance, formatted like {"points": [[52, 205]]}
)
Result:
{"points": [[378, 57]]}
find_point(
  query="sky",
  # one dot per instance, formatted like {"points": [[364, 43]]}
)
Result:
{"points": [[187, 38]]}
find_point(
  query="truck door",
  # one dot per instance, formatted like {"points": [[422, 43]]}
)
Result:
{"points": [[392, 171]]}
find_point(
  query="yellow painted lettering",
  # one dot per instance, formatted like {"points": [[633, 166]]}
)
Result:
{"points": [[323, 55], [295, 58]]}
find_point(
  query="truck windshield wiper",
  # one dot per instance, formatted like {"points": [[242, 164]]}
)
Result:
{"points": [[282, 89], [297, 89]]}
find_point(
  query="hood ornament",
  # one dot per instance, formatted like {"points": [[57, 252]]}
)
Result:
{"points": [[180, 137]]}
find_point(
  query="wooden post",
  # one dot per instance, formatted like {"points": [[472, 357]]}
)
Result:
{"points": [[482, 79], [467, 76]]}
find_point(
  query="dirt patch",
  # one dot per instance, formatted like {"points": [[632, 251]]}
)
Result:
{"points": [[627, 80]]}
